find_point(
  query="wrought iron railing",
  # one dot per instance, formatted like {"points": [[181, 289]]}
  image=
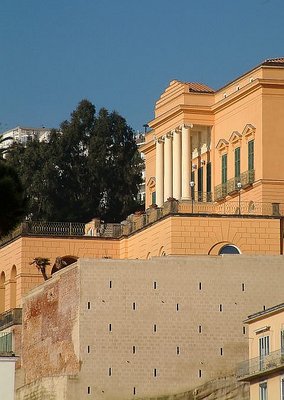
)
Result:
{"points": [[10, 318], [141, 219], [260, 365], [231, 186], [5, 343], [54, 228]]}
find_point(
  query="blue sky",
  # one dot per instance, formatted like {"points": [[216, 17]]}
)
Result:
{"points": [[121, 54]]}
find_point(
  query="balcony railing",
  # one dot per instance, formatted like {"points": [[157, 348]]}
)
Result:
{"points": [[10, 318], [246, 178], [259, 366], [5, 343], [198, 205]]}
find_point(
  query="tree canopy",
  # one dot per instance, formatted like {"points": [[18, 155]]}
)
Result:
{"points": [[89, 168], [12, 199]]}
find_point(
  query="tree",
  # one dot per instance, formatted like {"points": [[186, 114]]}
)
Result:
{"points": [[12, 199], [90, 168]]}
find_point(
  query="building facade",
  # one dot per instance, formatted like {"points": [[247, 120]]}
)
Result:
{"points": [[265, 368], [211, 145], [22, 134], [121, 329]]}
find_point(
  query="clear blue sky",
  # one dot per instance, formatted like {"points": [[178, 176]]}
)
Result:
{"points": [[121, 54]]}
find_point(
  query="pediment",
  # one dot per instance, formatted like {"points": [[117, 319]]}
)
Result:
{"points": [[151, 182], [222, 144], [249, 130], [235, 137]]}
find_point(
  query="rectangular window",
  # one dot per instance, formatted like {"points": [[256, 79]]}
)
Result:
{"points": [[263, 351], [89, 390], [133, 350], [89, 305], [221, 351], [251, 155], [220, 307], [153, 197], [134, 390], [154, 372], [200, 286], [237, 162], [88, 349], [200, 183], [200, 329], [199, 373], [109, 372], [134, 306], [178, 350], [154, 285], [177, 307], [244, 330], [208, 182], [110, 284], [154, 328], [263, 391], [224, 168], [243, 287], [109, 327]]}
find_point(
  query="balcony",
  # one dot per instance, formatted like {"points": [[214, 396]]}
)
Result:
{"points": [[10, 318], [230, 187], [261, 366]]}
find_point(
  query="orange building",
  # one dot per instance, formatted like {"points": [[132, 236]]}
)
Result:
{"points": [[213, 185], [219, 142], [265, 368]]}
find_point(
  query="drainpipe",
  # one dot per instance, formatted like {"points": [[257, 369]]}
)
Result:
{"points": [[281, 235]]}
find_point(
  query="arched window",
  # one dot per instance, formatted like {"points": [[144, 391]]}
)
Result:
{"points": [[2, 292], [229, 249], [13, 287]]}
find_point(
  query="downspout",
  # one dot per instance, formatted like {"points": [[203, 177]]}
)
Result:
{"points": [[281, 235]]}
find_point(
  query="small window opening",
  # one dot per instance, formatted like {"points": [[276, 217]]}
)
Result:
{"points": [[200, 329], [110, 284], [109, 327], [154, 285], [243, 287], [133, 349], [88, 349], [155, 372], [221, 307], [178, 350], [89, 305], [221, 351], [134, 390], [155, 328], [199, 373], [89, 390], [177, 306], [109, 372], [244, 330], [200, 286], [134, 306]]}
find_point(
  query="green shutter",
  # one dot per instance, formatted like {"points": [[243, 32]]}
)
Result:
{"points": [[153, 197], [237, 162], [208, 181], [251, 155], [224, 168]]}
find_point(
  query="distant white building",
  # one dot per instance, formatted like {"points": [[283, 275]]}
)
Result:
{"points": [[22, 135]]}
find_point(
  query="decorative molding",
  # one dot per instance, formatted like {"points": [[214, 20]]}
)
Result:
{"points": [[249, 131], [222, 144], [235, 137], [151, 182]]}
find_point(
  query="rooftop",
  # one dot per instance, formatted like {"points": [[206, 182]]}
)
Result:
{"points": [[277, 308]]}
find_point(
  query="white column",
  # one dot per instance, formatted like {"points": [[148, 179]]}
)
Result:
{"points": [[185, 161], [168, 167], [177, 164], [159, 172]]}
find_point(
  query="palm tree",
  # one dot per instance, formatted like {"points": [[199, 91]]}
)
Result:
{"points": [[41, 263]]}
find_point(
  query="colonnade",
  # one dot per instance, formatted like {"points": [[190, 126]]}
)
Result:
{"points": [[173, 165]]}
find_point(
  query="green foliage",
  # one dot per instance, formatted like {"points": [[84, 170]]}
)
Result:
{"points": [[12, 200], [89, 168]]}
